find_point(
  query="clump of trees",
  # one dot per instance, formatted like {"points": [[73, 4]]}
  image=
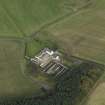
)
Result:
{"points": [[70, 88]]}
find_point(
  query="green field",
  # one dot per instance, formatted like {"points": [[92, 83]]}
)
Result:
{"points": [[23, 17], [19, 19], [42, 40], [13, 81], [83, 33]]}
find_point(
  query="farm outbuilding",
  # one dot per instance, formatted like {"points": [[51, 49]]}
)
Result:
{"points": [[50, 61]]}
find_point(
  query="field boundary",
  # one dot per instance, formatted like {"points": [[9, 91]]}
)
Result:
{"points": [[59, 19], [11, 18], [88, 59], [91, 91]]}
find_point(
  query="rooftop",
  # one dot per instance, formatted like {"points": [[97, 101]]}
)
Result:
{"points": [[50, 61]]}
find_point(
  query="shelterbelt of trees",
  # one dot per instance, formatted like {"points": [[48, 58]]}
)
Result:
{"points": [[70, 88]]}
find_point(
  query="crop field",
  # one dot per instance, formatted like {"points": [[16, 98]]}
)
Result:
{"points": [[83, 33], [13, 82], [97, 97]]}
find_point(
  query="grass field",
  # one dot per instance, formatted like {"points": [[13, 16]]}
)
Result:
{"points": [[83, 33], [42, 40], [23, 17], [13, 82]]}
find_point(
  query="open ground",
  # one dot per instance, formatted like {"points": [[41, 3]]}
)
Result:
{"points": [[83, 33], [21, 18], [13, 82], [96, 96], [18, 19], [79, 32]]}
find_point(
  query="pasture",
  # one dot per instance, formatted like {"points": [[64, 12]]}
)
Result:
{"points": [[83, 33], [23, 17], [13, 81], [80, 34]]}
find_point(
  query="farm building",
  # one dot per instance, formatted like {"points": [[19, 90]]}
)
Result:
{"points": [[50, 61]]}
